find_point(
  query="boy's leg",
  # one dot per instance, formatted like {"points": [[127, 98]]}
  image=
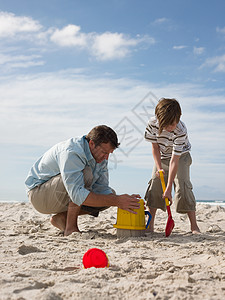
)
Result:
{"points": [[152, 211], [154, 193], [194, 227], [184, 197]]}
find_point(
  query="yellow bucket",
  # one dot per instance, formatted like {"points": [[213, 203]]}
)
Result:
{"points": [[127, 220]]}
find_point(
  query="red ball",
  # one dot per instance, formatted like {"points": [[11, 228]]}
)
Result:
{"points": [[95, 258]]}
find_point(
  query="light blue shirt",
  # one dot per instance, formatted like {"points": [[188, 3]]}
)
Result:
{"points": [[69, 158]]}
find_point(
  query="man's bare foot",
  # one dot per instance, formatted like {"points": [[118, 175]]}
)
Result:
{"points": [[59, 220], [69, 231]]}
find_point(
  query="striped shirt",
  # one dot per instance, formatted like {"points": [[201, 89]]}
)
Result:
{"points": [[174, 142]]}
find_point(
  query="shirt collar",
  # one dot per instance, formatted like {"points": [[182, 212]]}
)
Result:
{"points": [[87, 150]]}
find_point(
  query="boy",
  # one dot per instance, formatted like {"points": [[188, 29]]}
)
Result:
{"points": [[171, 153]]}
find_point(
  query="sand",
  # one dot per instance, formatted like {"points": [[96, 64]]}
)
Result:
{"points": [[37, 262]]}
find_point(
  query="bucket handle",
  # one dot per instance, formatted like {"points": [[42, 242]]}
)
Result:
{"points": [[149, 218]]}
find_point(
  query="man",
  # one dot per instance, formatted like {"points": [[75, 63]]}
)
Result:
{"points": [[71, 179]]}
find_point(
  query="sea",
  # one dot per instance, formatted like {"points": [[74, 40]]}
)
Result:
{"points": [[212, 202]]}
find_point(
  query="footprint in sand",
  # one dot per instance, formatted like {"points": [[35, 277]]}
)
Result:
{"points": [[23, 250], [214, 228], [36, 286]]}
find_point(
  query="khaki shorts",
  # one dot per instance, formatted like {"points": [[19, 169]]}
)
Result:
{"points": [[51, 197], [184, 197]]}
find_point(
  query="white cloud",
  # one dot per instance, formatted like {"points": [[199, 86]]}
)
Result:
{"points": [[179, 47], [160, 21], [112, 45], [65, 98], [38, 111], [20, 61], [26, 64], [198, 50], [70, 35], [220, 30], [105, 46], [164, 23], [10, 25], [217, 63]]}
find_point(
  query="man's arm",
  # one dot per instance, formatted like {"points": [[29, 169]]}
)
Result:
{"points": [[172, 173], [126, 202]]}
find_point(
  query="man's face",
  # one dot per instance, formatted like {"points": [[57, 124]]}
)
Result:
{"points": [[100, 152]]}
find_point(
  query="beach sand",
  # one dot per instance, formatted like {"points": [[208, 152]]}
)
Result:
{"points": [[37, 262]]}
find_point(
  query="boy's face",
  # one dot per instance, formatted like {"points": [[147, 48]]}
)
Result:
{"points": [[171, 127]]}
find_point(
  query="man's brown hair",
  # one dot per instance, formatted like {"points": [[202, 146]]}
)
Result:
{"points": [[167, 112], [103, 134]]}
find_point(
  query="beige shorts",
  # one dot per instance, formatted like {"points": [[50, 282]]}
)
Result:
{"points": [[51, 197], [183, 197]]}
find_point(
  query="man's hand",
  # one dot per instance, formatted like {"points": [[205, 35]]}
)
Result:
{"points": [[129, 203]]}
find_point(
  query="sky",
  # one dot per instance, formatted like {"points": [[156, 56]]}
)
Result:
{"points": [[67, 66]]}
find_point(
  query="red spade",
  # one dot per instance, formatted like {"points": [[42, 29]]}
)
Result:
{"points": [[170, 222]]}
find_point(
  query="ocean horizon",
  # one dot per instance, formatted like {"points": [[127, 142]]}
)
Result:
{"points": [[210, 202]]}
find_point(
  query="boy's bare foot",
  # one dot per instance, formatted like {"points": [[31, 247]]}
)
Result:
{"points": [[59, 221], [194, 227], [196, 231], [150, 228]]}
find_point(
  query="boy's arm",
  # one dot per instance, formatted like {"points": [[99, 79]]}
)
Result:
{"points": [[172, 173], [157, 156]]}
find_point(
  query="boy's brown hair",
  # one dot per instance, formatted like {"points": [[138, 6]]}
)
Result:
{"points": [[103, 134], [167, 112]]}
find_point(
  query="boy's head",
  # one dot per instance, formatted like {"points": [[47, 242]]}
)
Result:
{"points": [[168, 113]]}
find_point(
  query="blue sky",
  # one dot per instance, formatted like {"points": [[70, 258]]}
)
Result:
{"points": [[67, 66]]}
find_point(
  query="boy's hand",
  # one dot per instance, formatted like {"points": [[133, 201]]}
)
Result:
{"points": [[157, 172], [167, 194]]}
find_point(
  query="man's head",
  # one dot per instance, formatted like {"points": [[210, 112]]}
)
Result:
{"points": [[102, 141], [168, 113]]}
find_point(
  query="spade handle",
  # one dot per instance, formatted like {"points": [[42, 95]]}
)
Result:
{"points": [[163, 186]]}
